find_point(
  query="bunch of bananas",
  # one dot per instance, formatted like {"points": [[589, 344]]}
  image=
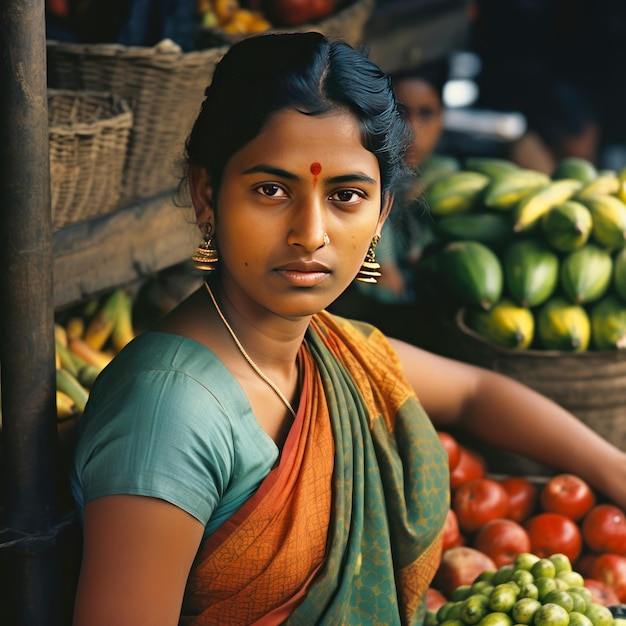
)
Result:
{"points": [[538, 261], [85, 344], [231, 18]]}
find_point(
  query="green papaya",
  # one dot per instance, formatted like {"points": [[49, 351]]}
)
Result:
{"points": [[437, 166], [619, 273], [488, 228], [473, 272], [562, 325], [505, 323], [608, 323], [567, 226], [508, 188], [531, 272], [575, 167], [609, 220], [491, 166], [586, 273], [458, 192]]}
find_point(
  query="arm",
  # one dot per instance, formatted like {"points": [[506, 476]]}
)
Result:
{"points": [[137, 553], [507, 414]]}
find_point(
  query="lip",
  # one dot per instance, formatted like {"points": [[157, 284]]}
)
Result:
{"points": [[303, 273]]}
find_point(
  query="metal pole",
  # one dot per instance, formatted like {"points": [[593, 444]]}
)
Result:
{"points": [[26, 322]]}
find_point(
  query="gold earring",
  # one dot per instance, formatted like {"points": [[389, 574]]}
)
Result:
{"points": [[369, 272], [206, 255]]}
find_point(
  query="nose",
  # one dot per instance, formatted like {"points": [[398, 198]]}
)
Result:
{"points": [[308, 228]]}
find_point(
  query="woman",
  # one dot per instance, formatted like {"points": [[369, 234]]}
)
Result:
{"points": [[254, 459]]}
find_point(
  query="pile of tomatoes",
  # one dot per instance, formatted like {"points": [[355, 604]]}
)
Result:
{"points": [[493, 518]]}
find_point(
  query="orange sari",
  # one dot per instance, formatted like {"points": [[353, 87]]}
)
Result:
{"points": [[347, 528]]}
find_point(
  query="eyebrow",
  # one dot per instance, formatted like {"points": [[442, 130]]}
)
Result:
{"points": [[277, 171]]}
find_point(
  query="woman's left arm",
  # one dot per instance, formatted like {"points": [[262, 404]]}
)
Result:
{"points": [[505, 413]]}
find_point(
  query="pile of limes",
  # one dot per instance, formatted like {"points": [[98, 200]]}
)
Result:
{"points": [[531, 590]]}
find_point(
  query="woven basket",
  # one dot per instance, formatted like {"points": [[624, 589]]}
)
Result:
{"points": [[592, 385], [88, 138], [348, 24], [164, 88]]}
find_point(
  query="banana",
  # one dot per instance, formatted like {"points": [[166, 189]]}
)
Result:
{"points": [[606, 183], [64, 358], [60, 335], [506, 324], [456, 193], [66, 407], [101, 325], [534, 206], [87, 375], [562, 325], [509, 188], [123, 331], [69, 385], [75, 327], [87, 354], [608, 214], [491, 166]]}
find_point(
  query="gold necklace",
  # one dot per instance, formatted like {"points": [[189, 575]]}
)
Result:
{"points": [[246, 356]]}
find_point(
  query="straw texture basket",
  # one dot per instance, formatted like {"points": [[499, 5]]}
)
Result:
{"points": [[348, 24], [88, 138], [592, 385], [164, 87]]}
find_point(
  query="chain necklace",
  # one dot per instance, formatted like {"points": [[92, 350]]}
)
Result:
{"points": [[246, 356]]}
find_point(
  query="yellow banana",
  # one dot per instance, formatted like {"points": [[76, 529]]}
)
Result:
{"points": [[60, 334], [69, 385], [123, 331], [88, 354], [607, 183], [100, 327], [75, 327], [66, 407]]}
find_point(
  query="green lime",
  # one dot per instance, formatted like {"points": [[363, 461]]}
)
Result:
{"points": [[545, 585], [525, 560], [497, 618], [551, 615], [430, 618], [486, 574], [451, 622], [443, 610], [524, 610], [572, 579], [529, 591], [580, 601], [522, 577], [576, 618], [502, 574], [561, 562], [543, 568], [503, 597], [483, 587], [599, 614], [475, 608], [560, 597], [583, 591], [449, 610], [461, 592]]}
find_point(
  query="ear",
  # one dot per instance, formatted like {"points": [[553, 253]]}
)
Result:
{"points": [[201, 194], [385, 210]]}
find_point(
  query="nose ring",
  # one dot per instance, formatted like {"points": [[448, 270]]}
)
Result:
{"points": [[326, 239]]}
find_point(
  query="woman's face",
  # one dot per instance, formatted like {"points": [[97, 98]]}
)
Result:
{"points": [[302, 177], [423, 111]]}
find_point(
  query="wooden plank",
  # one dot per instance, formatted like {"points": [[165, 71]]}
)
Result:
{"points": [[129, 244]]}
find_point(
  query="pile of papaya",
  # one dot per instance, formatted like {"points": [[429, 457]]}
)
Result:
{"points": [[536, 261]]}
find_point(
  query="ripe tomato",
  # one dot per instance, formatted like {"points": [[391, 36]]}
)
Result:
{"points": [[451, 446], [604, 529], [554, 532], [522, 497], [477, 501], [601, 592], [434, 599], [567, 494], [611, 570], [451, 532], [470, 465], [502, 540]]}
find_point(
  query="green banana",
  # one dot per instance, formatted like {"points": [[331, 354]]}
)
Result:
{"points": [[506, 190], [609, 220], [456, 193]]}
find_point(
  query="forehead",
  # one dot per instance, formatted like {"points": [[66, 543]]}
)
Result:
{"points": [[415, 92]]}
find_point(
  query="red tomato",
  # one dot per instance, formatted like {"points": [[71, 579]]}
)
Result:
{"points": [[451, 446], [477, 501], [451, 532], [567, 494], [611, 570], [434, 599], [604, 529], [470, 465], [601, 592], [502, 540], [554, 532], [522, 497]]}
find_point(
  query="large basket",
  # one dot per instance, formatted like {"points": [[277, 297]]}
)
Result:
{"points": [[347, 24], [88, 138], [592, 385], [164, 87]]}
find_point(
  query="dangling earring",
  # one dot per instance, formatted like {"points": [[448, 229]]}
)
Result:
{"points": [[369, 272], [206, 255]]}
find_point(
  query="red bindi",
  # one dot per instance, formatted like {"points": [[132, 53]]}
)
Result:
{"points": [[316, 168]]}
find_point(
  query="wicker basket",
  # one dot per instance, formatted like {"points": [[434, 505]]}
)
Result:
{"points": [[348, 24], [592, 385], [88, 138], [164, 88]]}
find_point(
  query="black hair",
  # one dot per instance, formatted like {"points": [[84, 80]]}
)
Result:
{"points": [[435, 72], [263, 74]]}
